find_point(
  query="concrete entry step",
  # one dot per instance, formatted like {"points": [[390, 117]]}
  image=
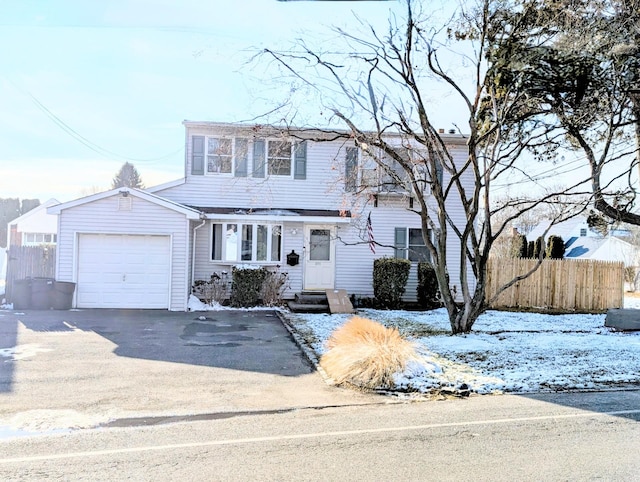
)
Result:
{"points": [[307, 307], [622, 319], [311, 297]]}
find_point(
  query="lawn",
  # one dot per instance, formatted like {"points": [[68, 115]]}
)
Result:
{"points": [[506, 352]]}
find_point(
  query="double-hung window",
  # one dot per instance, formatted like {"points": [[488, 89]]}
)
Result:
{"points": [[409, 244], [240, 157], [244, 242], [219, 155], [226, 156], [279, 158]]}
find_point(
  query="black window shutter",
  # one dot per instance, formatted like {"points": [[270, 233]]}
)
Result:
{"points": [[351, 169], [300, 160], [439, 172], [197, 155], [400, 243]]}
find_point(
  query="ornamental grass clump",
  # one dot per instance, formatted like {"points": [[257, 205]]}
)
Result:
{"points": [[364, 353]]}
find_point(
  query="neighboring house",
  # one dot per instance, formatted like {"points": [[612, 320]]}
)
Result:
{"points": [[34, 228], [582, 242], [607, 248], [250, 195], [576, 227]]}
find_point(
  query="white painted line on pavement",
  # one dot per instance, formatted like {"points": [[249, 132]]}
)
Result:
{"points": [[340, 433]]}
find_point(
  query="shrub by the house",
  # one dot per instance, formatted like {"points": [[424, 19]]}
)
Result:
{"points": [[213, 290], [273, 288], [427, 290], [247, 285], [390, 276]]}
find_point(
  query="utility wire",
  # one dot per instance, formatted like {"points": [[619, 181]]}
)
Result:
{"points": [[80, 138]]}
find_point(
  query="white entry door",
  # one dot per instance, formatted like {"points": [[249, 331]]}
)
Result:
{"points": [[123, 271], [319, 262]]}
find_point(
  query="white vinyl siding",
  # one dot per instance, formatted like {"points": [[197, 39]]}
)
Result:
{"points": [[323, 187], [145, 218]]}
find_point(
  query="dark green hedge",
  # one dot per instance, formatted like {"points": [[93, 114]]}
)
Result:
{"points": [[555, 247], [246, 286], [427, 290], [390, 277]]}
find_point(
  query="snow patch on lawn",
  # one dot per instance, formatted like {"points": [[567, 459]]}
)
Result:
{"points": [[506, 351]]}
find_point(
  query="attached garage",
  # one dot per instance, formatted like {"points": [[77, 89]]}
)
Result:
{"points": [[126, 248], [123, 271]]}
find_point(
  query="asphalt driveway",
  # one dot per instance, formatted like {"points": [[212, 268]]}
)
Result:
{"points": [[61, 369]]}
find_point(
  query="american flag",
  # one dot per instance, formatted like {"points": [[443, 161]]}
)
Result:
{"points": [[372, 241]]}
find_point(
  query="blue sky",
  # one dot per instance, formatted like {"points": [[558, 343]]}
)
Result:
{"points": [[88, 85]]}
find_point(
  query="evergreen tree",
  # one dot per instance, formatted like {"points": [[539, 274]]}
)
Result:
{"points": [[127, 176], [538, 248], [519, 246], [555, 247], [10, 209]]}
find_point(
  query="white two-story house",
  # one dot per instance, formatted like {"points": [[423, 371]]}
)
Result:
{"points": [[250, 195]]}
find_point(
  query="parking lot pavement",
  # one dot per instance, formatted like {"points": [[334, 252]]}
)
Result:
{"points": [[85, 367]]}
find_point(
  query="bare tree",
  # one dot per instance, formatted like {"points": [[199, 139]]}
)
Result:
{"points": [[377, 87]]}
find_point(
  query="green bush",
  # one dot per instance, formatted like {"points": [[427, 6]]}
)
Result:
{"points": [[538, 248], [555, 247], [390, 277], [428, 293], [247, 285], [530, 249]]}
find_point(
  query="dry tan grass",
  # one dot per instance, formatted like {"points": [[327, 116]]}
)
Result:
{"points": [[367, 354]]}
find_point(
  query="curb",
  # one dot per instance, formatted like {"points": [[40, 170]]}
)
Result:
{"points": [[306, 349]]}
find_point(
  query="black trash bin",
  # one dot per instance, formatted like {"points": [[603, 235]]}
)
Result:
{"points": [[41, 289], [62, 297], [21, 294]]}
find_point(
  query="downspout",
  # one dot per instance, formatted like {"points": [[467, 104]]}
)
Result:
{"points": [[203, 216]]}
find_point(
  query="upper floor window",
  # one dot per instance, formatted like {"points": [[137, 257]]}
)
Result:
{"points": [[237, 242], [219, 155], [279, 158], [242, 157], [409, 244], [386, 173]]}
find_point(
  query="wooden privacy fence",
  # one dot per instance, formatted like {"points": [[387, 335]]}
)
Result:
{"points": [[29, 262], [558, 284]]}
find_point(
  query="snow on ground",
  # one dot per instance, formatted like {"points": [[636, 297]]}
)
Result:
{"points": [[506, 351]]}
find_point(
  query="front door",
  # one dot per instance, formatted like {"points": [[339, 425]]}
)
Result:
{"points": [[319, 261]]}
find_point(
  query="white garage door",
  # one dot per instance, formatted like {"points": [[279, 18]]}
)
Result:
{"points": [[123, 271]]}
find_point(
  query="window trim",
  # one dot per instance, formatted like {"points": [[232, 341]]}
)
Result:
{"points": [[291, 158], [240, 228], [38, 239], [403, 250], [233, 172]]}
